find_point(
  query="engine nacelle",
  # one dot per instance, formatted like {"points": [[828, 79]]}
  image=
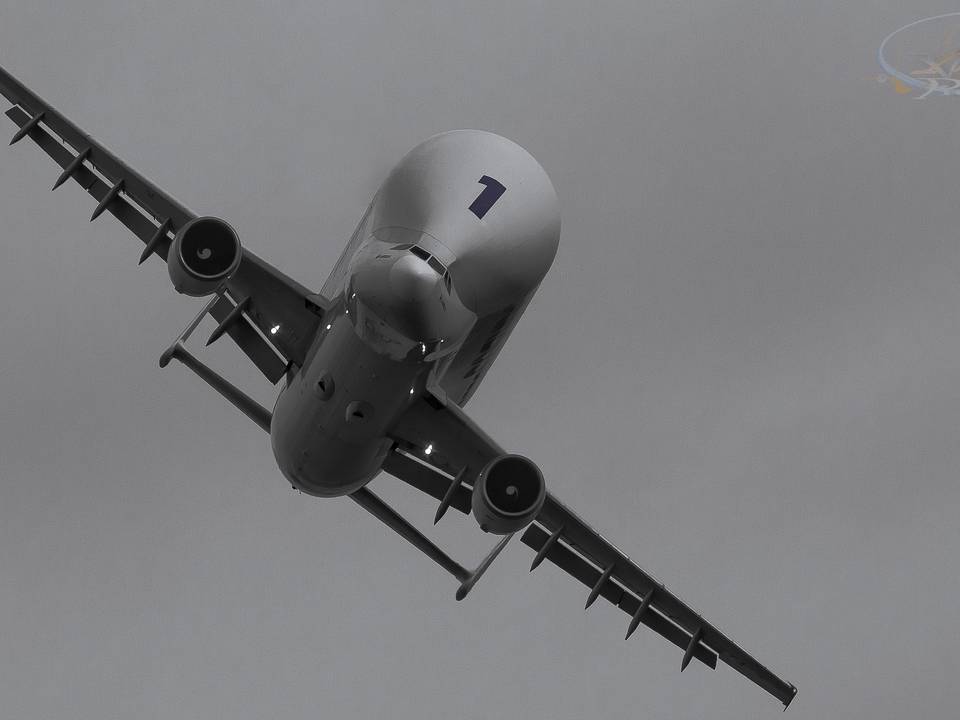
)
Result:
{"points": [[508, 494], [203, 255]]}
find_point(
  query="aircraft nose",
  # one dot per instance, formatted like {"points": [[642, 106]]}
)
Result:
{"points": [[416, 292], [419, 305], [402, 294]]}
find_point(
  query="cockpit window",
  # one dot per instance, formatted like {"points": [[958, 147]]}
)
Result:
{"points": [[438, 267], [420, 253]]}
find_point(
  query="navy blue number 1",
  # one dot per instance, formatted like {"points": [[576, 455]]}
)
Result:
{"points": [[486, 199]]}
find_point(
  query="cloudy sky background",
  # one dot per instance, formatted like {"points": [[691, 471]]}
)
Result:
{"points": [[744, 366]]}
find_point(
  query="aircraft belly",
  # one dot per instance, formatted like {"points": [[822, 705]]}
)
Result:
{"points": [[329, 424]]}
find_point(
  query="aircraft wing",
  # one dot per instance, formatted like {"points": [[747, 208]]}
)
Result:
{"points": [[438, 449], [270, 298]]}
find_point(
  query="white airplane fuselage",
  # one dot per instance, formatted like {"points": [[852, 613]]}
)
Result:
{"points": [[441, 267]]}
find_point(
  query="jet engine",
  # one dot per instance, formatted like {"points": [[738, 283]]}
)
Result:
{"points": [[203, 256], [508, 494]]}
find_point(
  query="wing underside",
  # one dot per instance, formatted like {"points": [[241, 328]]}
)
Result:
{"points": [[271, 299], [561, 537]]}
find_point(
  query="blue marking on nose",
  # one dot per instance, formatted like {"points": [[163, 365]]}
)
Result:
{"points": [[486, 199]]}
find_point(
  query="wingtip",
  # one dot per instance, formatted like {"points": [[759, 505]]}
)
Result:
{"points": [[465, 587]]}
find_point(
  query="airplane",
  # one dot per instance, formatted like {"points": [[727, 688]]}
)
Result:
{"points": [[377, 366]]}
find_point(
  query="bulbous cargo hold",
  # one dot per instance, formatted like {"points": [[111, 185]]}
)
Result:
{"points": [[508, 494], [204, 255]]}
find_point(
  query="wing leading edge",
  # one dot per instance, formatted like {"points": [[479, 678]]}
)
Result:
{"points": [[271, 299], [460, 449]]}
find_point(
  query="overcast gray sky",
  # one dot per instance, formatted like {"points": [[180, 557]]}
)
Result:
{"points": [[744, 366]]}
